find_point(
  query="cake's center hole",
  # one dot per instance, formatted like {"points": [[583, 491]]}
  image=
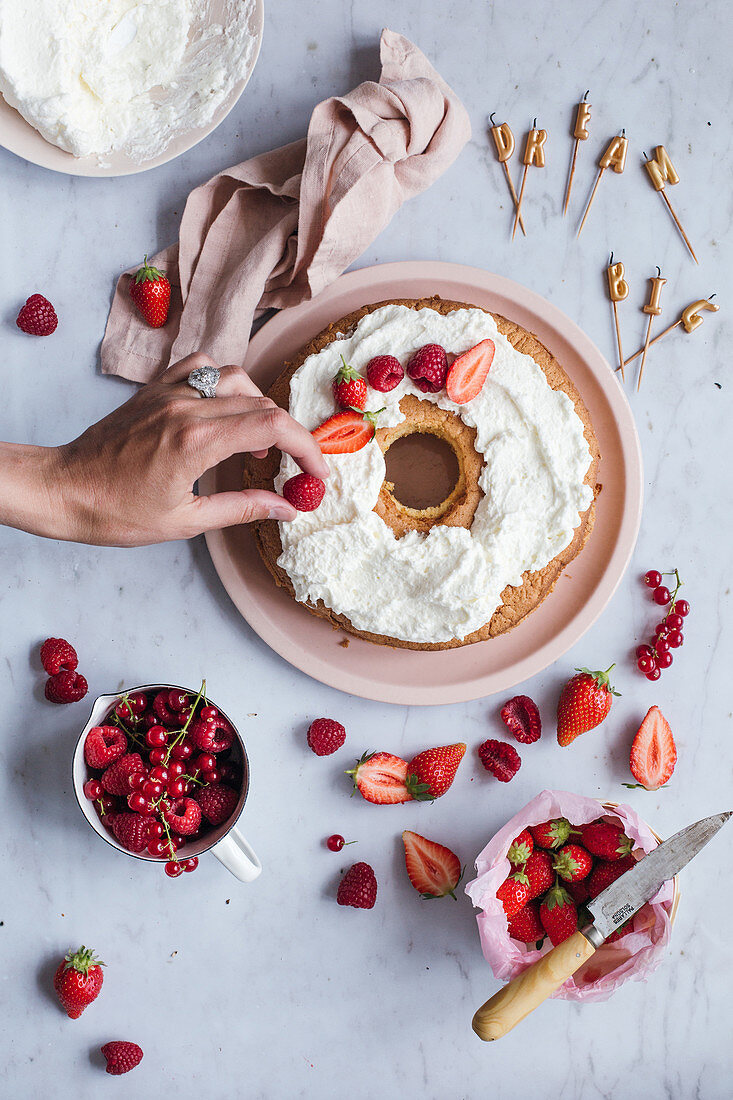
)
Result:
{"points": [[423, 469]]}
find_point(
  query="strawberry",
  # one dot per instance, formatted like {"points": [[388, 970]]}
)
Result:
{"points": [[384, 372], [653, 752], [380, 777], [430, 773], [552, 834], [428, 367], [78, 981], [502, 760], [57, 655], [584, 703], [606, 872], [358, 887], [604, 840], [523, 719], [304, 491], [116, 779], [467, 373], [526, 925], [433, 869], [346, 432], [349, 388], [520, 848], [573, 863], [217, 802], [183, 816], [578, 891], [538, 873], [131, 830], [37, 317], [513, 895], [104, 745], [66, 687], [121, 1056], [621, 931], [325, 736], [558, 914], [151, 293]]}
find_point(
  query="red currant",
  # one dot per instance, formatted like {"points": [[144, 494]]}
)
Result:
{"points": [[205, 762], [182, 751], [157, 847], [664, 660], [156, 737], [190, 864], [660, 629], [178, 700], [138, 803], [208, 714], [646, 664], [662, 644], [176, 768], [675, 638], [653, 578], [176, 788], [682, 608], [653, 675], [155, 829], [106, 804], [661, 595], [136, 780], [644, 651], [159, 773], [157, 756], [173, 869], [212, 776], [675, 622], [93, 789], [178, 841], [335, 843], [151, 789]]}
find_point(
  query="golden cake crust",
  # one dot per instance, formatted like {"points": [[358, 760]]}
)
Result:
{"points": [[517, 601]]}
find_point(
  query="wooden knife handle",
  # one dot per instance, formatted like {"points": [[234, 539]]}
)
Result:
{"points": [[523, 994]]}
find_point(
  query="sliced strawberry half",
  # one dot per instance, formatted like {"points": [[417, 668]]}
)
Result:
{"points": [[433, 869], [380, 777], [653, 752], [346, 432], [469, 371]]}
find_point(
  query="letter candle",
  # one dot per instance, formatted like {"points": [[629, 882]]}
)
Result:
{"points": [[614, 156], [653, 308], [661, 171], [534, 153], [504, 142], [618, 290], [580, 133], [690, 319]]}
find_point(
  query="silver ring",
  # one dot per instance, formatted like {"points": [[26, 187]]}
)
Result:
{"points": [[205, 380]]}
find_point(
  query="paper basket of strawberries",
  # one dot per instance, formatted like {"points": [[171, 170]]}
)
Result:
{"points": [[535, 874]]}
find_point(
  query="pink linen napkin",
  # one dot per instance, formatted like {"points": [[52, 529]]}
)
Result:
{"points": [[277, 229]]}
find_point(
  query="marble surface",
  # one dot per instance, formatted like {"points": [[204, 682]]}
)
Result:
{"points": [[271, 990]]}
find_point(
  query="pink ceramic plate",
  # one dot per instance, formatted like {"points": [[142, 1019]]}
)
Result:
{"points": [[451, 675]]}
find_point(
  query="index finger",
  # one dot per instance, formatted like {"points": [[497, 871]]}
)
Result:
{"points": [[270, 427]]}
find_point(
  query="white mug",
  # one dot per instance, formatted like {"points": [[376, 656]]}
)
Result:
{"points": [[225, 841]]}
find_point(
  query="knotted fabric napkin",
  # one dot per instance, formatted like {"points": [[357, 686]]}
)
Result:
{"points": [[277, 229]]}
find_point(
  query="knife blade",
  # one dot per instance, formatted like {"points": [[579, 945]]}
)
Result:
{"points": [[625, 897], [612, 908]]}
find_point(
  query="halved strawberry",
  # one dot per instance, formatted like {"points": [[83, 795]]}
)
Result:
{"points": [[380, 777], [469, 371], [653, 752], [433, 869], [346, 432]]}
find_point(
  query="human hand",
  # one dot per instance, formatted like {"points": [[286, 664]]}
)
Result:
{"points": [[128, 480]]}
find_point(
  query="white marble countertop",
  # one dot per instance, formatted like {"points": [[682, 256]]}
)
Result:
{"points": [[271, 990]]}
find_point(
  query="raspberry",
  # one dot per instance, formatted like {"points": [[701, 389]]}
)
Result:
{"points": [[500, 759], [66, 687], [217, 802], [216, 735], [304, 492], [358, 887], [121, 1056], [183, 816], [325, 736], [428, 368], [116, 779], [384, 373], [104, 745], [130, 829], [58, 656], [37, 317], [522, 717]]}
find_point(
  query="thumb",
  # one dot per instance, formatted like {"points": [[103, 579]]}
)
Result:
{"points": [[229, 509]]}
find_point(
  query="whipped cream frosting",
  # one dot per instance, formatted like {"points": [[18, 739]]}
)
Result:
{"points": [[447, 583], [100, 76]]}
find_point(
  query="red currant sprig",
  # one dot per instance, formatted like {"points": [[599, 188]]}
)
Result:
{"points": [[651, 659]]}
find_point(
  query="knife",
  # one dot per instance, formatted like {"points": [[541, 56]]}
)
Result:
{"points": [[613, 907]]}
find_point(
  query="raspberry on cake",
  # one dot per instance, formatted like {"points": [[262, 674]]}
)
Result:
{"points": [[473, 565]]}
